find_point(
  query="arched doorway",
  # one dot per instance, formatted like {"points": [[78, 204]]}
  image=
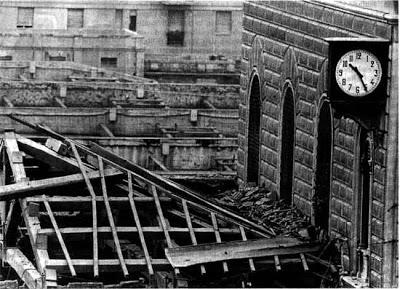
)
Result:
{"points": [[287, 147], [253, 157], [323, 167]]}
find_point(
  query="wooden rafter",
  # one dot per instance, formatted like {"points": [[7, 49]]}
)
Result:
{"points": [[32, 223], [94, 210], [218, 238], [139, 226], [111, 219], [191, 232], [59, 236]]}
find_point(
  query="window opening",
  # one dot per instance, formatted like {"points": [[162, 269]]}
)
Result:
{"points": [[75, 18], [175, 34], [323, 169], [109, 62], [25, 18], [287, 147], [253, 158], [223, 22]]}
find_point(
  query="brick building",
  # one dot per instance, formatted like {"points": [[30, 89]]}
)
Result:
{"points": [[292, 141]]}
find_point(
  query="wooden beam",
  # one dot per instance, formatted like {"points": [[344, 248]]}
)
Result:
{"points": [[205, 253], [106, 130], [60, 102], [191, 232], [159, 164], [24, 189], [59, 236], [162, 220], [32, 223], [139, 226], [147, 229], [48, 156], [111, 219], [24, 268], [78, 199], [218, 238], [244, 238], [94, 210], [106, 262], [8, 101]]}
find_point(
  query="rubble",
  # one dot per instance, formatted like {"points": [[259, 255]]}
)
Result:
{"points": [[261, 206]]}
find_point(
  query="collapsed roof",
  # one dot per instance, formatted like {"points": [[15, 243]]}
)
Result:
{"points": [[91, 215]]}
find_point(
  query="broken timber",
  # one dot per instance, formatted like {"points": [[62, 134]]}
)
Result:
{"points": [[179, 216], [27, 188], [206, 253]]}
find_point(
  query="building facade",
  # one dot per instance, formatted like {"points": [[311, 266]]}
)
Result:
{"points": [[169, 27], [292, 141], [117, 50]]}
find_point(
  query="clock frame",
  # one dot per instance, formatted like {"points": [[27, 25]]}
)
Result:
{"points": [[370, 103]]}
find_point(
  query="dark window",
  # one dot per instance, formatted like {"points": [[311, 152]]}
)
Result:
{"points": [[223, 22], [25, 18], [253, 158], [323, 168], [57, 58], [109, 62], [6, 58], [132, 23], [75, 18], [287, 147], [175, 34]]}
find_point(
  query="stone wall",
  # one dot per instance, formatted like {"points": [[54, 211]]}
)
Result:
{"points": [[197, 95], [283, 45]]}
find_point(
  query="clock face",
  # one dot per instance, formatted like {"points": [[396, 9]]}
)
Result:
{"points": [[358, 72]]}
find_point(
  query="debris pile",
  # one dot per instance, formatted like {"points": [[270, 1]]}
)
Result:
{"points": [[261, 206]]}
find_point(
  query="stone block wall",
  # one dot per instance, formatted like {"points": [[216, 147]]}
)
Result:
{"points": [[283, 45]]}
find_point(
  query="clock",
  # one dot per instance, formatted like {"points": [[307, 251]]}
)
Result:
{"points": [[358, 72]]}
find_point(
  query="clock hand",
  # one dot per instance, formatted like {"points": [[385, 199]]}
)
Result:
{"points": [[359, 75]]}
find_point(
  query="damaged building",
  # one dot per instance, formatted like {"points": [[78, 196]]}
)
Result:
{"points": [[198, 144], [318, 137]]}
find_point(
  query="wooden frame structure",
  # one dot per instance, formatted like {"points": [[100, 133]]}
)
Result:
{"points": [[114, 205]]}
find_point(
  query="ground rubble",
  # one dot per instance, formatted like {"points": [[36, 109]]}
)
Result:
{"points": [[261, 206]]}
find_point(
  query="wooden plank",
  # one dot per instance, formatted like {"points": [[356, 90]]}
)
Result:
{"points": [[94, 210], [60, 102], [110, 218], [106, 262], [24, 268], [59, 236], [147, 229], [107, 131], [218, 238], [162, 220], [80, 199], [244, 238], [304, 262], [159, 164], [191, 232], [32, 223], [8, 101], [185, 256], [24, 189], [3, 205], [277, 263], [47, 155], [139, 226]]}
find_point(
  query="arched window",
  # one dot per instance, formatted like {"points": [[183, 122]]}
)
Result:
{"points": [[323, 167], [253, 157], [287, 147]]}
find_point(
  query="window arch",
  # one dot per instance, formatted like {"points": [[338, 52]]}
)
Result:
{"points": [[287, 146], [253, 157], [323, 167]]}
